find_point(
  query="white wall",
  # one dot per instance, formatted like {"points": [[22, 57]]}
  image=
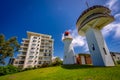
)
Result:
{"points": [[99, 56]]}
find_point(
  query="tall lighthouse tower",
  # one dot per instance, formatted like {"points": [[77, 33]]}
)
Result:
{"points": [[90, 23], [69, 55]]}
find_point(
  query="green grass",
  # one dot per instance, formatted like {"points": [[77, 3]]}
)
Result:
{"points": [[69, 72]]}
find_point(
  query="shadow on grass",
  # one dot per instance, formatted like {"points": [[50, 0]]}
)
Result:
{"points": [[75, 66]]}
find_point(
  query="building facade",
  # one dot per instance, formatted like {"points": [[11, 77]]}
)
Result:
{"points": [[83, 58], [115, 56], [35, 50]]}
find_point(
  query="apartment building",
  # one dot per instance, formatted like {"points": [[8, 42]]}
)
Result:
{"points": [[35, 50]]}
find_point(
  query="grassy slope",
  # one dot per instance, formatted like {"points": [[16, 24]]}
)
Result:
{"points": [[74, 72]]}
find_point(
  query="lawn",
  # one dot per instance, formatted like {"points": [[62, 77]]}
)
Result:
{"points": [[68, 72]]}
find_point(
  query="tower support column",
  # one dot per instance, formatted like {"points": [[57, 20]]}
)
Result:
{"points": [[98, 48]]}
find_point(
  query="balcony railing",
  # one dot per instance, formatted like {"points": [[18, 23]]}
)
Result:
{"points": [[91, 17]]}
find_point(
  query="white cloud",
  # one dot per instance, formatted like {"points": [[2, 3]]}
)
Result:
{"points": [[112, 4], [113, 27], [117, 15], [78, 40]]}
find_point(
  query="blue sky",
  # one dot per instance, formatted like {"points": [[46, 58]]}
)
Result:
{"points": [[54, 17]]}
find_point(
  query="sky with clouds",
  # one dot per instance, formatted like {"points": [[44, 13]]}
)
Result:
{"points": [[111, 32], [54, 17]]}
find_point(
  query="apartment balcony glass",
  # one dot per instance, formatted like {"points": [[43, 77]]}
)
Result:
{"points": [[21, 62], [31, 57]]}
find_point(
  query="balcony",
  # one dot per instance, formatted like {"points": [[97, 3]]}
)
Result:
{"points": [[22, 54], [22, 50], [22, 46]]}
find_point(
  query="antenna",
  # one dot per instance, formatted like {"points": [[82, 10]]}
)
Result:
{"points": [[87, 4]]}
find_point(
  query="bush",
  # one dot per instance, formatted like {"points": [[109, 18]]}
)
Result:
{"points": [[118, 62], [30, 68], [9, 69], [57, 62], [2, 69], [44, 65]]}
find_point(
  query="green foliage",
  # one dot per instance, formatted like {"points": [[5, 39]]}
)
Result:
{"points": [[7, 47], [27, 69], [8, 70], [44, 65], [118, 62], [57, 62], [67, 72]]}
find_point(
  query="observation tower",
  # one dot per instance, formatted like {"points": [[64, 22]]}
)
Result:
{"points": [[89, 24], [69, 55]]}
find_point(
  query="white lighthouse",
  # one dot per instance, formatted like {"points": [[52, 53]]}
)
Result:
{"points": [[69, 55]]}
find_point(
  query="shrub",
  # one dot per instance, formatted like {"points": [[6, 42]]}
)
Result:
{"points": [[44, 65], [2, 70], [9, 69], [30, 68], [57, 62], [118, 62]]}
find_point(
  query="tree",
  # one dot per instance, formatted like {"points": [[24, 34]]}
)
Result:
{"points": [[7, 47], [57, 61]]}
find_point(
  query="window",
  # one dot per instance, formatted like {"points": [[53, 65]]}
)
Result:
{"points": [[36, 52], [105, 51], [45, 50], [36, 57], [93, 47], [49, 54], [45, 54], [35, 37], [21, 62], [40, 58], [65, 56], [33, 44], [49, 50], [118, 58], [32, 52], [39, 62], [16, 62], [35, 61], [25, 44], [30, 57], [32, 48], [34, 41], [41, 50]]}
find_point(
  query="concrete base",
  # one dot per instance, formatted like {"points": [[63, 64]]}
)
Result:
{"points": [[98, 48]]}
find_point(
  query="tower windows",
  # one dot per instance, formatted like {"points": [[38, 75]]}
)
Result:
{"points": [[105, 51], [93, 47], [65, 56]]}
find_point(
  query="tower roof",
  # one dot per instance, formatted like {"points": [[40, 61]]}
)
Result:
{"points": [[96, 17], [67, 35]]}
